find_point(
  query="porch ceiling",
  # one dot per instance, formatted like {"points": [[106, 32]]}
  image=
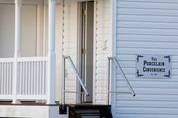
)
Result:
{"points": [[23, 1], [34, 1]]}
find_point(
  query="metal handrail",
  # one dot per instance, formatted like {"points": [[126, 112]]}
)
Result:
{"points": [[76, 73], [114, 59]]}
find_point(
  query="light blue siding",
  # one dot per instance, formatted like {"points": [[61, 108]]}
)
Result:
{"points": [[146, 27]]}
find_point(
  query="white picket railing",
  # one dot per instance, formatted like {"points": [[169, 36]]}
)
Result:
{"points": [[6, 77], [31, 81]]}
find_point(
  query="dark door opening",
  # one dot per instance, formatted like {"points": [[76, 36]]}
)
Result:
{"points": [[87, 27]]}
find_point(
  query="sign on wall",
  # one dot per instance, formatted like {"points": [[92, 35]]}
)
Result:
{"points": [[153, 66]]}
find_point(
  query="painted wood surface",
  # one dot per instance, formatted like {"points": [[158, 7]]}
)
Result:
{"points": [[146, 27]]}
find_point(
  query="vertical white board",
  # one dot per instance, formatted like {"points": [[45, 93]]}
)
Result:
{"points": [[59, 36], [102, 49], [70, 48]]}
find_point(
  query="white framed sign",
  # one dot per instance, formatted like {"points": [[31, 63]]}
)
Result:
{"points": [[153, 66]]}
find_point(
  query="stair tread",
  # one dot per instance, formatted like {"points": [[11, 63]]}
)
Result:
{"points": [[90, 111]]}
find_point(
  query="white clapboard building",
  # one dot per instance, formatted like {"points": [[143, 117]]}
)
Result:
{"points": [[89, 58]]}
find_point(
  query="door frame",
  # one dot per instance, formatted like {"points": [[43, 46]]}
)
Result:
{"points": [[79, 29], [114, 53]]}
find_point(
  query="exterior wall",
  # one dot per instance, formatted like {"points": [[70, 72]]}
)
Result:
{"points": [[35, 36], [67, 44], [67, 24], [102, 49], [59, 36], [6, 30], [7, 24], [59, 43], [70, 48], [146, 27], [29, 30]]}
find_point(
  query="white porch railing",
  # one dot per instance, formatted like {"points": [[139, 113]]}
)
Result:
{"points": [[30, 78], [31, 82], [6, 76]]}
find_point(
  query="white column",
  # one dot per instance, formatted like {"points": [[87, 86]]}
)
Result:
{"points": [[51, 52], [16, 45], [18, 5]]}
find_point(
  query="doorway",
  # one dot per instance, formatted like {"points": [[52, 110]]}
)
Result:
{"points": [[86, 47]]}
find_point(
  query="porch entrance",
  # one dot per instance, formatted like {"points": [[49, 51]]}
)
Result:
{"points": [[86, 47]]}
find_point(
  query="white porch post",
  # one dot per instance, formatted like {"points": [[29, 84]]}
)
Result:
{"points": [[51, 52], [18, 5]]}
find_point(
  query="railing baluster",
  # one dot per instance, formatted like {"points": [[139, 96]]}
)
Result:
{"points": [[31, 78], [26, 80], [38, 75], [10, 80], [23, 76], [41, 79], [5, 76], [44, 78], [36, 78], [1, 81], [19, 78], [8, 77], [2, 78], [3, 73], [34, 83], [1, 84]]}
